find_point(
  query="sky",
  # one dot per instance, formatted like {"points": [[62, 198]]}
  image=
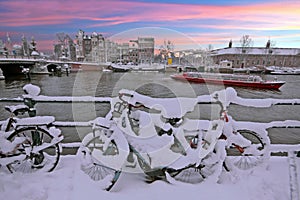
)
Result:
{"points": [[187, 23]]}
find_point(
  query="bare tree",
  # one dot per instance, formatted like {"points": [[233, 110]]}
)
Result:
{"points": [[269, 52], [246, 44], [166, 49]]}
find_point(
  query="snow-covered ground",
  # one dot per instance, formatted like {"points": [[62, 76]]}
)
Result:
{"points": [[67, 181]]}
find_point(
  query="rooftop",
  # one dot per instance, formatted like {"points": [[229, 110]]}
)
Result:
{"points": [[257, 51]]}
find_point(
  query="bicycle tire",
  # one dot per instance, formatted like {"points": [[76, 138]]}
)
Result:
{"points": [[93, 167], [247, 160], [45, 160], [190, 174]]}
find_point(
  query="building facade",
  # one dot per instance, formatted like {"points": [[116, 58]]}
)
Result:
{"points": [[95, 48], [145, 49], [257, 56], [65, 48]]}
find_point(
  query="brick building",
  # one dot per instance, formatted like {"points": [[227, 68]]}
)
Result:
{"points": [[257, 56]]}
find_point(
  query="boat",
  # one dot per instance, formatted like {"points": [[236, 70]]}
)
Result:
{"points": [[1, 75], [229, 80], [286, 72], [118, 67], [148, 67], [153, 67], [106, 70]]}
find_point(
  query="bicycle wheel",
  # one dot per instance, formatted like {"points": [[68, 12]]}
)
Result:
{"points": [[41, 153], [245, 158], [190, 174], [101, 161]]}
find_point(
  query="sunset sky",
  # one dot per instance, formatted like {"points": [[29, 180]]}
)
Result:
{"points": [[184, 22]]}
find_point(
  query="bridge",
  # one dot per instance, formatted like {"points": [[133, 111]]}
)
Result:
{"points": [[15, 66]]}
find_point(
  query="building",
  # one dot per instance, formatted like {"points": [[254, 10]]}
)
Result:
{"points": [[98, 53], [64, 49], [95, 48], [146, 49], [123, 50], [83, 46], [2, 48], [25, 49], [133, 53], [257, 56]]}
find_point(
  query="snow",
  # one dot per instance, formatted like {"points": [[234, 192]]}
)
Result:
{"points": [[68, 181], [169, 107], [39, 120], [257, 51], [32, 90], [270, 181], [229, 96], [35, 53], [43, 98]]}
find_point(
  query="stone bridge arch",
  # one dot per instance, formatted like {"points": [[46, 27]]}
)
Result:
{"points": [[53, 67]]}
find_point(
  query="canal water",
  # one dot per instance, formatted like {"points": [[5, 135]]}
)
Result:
{"points": [[160, 85]]}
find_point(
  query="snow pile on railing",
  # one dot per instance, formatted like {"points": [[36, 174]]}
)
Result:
{"points": [[229, 96]]}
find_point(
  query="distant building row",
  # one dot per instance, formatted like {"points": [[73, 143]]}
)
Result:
{"points": [[95, 48], [98, 49]]}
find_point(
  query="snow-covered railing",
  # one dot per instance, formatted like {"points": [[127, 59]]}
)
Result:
{"points": [[223, 98], [229, 96], [61, 99]]}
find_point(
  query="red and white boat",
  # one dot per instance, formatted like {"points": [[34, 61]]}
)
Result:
{"points": [[229, 80]]}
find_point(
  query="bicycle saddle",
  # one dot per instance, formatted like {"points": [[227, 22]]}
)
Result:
{"points": [[18, 109], [169, 107]]}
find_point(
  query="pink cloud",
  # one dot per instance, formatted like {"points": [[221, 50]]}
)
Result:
{"points": [[264, 16], [106, 13]]}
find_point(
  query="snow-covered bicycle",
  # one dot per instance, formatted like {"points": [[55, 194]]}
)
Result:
{"points": [[29, 144], [154, 136]]}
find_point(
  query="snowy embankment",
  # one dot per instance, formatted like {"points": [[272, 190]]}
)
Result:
{"points": [[67, 181]]}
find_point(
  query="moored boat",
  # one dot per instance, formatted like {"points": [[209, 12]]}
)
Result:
{"points": [[229, 80], [286, 72], [150, 67], [118, 67], [1, 75]]}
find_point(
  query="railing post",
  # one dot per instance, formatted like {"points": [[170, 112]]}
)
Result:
{"points": [[294, 185], [28, 101]]}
